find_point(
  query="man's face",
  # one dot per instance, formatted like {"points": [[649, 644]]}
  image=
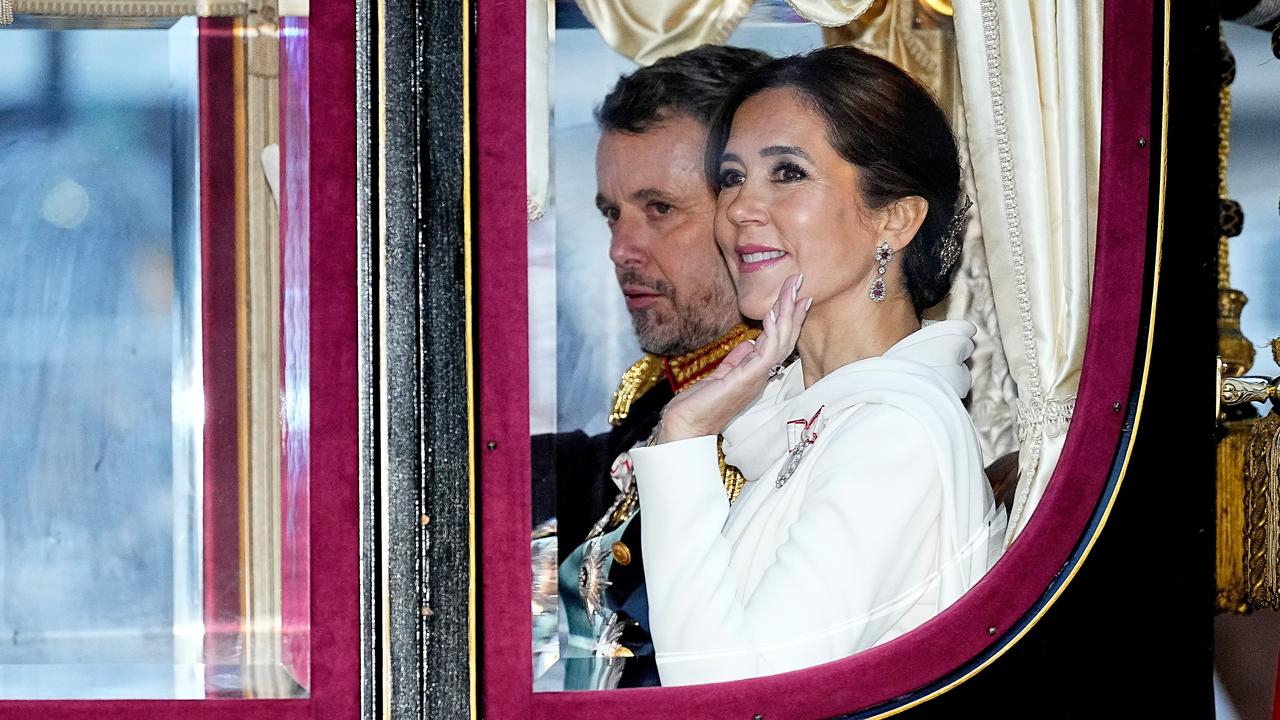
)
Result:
{"points": [[652, 192]]}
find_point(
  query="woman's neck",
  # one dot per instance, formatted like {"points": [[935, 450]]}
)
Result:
{"points": [[836, 334]]}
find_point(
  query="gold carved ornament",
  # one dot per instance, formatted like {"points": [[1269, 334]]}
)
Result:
{"points": [[1247, 552]]}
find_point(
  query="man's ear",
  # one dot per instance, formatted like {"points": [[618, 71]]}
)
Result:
{"points": [[901, 220]]}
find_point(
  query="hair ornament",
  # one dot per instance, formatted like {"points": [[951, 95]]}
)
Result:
{"points": [[952, 237]]}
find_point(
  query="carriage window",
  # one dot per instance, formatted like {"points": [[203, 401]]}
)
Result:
{"points": [[643, 277], [153, 326]]}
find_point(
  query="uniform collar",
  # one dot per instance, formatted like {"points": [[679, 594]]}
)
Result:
{"points": [[680, 371]]}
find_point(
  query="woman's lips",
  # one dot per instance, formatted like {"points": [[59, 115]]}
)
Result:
{"points": [[752, 258]]}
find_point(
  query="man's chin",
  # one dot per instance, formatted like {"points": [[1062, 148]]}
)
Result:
{"points": [[654, 337]]}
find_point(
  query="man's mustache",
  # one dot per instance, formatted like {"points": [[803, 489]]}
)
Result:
{"points": [[631, 277]]}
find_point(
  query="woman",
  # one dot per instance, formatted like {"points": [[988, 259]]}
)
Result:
{"points": [[867, 510]]}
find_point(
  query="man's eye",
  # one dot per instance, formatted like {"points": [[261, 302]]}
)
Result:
{"points": [[661, 208], [729, 178], [610, 214]]}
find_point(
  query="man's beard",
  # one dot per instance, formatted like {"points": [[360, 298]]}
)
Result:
{"points": [[688, 325]]}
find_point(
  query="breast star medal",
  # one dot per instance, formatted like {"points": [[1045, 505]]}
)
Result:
{"points": [[807, 436]]}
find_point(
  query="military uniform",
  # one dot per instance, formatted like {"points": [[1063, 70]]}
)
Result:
{"points": [[601, 576]]}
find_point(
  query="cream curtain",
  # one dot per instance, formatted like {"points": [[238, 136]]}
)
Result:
{"points": [[923, 43], [645, 30], [1031, 77], [830, 13], [537, 98], [991, 399]]}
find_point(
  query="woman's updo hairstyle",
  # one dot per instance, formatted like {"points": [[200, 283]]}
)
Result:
{"points": [[882, 121]]}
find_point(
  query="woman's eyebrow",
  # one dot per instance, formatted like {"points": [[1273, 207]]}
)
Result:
{"points": [[785, 150], [730, 157]]}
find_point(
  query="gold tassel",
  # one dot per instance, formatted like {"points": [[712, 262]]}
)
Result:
{"points": [[1229, 570]]}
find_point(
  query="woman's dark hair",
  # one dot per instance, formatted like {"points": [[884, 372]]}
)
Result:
{"points": [[882, 121]]}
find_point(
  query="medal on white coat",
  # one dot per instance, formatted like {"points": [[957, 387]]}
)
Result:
{"points": [[807, 435]]}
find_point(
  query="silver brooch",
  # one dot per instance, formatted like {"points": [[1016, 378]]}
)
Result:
{"points": [[808, 435]]}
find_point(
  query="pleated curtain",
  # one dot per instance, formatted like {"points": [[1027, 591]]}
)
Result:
{"points": [[1031, 76]]}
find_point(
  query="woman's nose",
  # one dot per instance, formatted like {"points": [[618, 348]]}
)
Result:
{"points": [[745, 207]]}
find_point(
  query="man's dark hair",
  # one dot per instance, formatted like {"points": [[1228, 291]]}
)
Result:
{"points": [[884, 123], [692, 83]]}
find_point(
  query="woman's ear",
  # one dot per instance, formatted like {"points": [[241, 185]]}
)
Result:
{"points": [[901, 220]]}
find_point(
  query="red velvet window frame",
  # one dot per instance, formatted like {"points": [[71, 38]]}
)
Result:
{"points": [[948, 642], [334, 459]]}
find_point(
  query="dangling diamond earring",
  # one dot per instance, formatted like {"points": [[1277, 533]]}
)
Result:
{"points": [[884, 253]]}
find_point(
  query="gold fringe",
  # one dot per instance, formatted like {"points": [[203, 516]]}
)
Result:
{"points": [[639, 379]]}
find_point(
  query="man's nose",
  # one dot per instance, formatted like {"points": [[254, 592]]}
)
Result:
{"points": [[627, 245]]}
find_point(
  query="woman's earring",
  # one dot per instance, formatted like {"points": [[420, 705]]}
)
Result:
{"points": [[884, 253]]}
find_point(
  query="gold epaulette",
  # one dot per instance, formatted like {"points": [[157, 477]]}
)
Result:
{"points": [[639, 379]]}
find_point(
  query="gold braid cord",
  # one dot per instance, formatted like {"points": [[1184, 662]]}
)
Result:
{"points": [[1262, 513], [732, 476]]}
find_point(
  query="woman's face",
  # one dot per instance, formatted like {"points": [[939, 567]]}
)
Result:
{"points": [[790, 203]]}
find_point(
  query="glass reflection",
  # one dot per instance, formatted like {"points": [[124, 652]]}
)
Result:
{"points": [[99, 551], [153, 320]]}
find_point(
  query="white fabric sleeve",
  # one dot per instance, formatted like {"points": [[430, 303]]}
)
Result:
{"points": [[860, 553]]}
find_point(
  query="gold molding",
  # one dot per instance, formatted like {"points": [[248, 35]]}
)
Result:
{"points": [[1235, 349], [151, 8], [468, 272], [379, 141]]}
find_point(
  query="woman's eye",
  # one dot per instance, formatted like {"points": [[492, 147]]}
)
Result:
{"points": [[789, 172], [729, 178]]}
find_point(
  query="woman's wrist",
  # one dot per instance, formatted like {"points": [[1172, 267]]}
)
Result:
{"points": [[673, 429]]}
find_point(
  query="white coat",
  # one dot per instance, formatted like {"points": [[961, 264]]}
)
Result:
{"points": [[887, 520]]}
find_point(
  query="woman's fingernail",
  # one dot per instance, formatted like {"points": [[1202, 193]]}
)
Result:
{"points": [[773, 316], [795, 290], [808, 304]]}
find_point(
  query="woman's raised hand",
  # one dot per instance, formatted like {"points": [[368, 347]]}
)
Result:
{"points": [[706, 407]]}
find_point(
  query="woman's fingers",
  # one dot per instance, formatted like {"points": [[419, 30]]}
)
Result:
{"points": [[737, 355], [798, 314], [780, 339]]}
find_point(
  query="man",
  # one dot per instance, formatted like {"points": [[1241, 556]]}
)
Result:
{"points": [[653, 194]]}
